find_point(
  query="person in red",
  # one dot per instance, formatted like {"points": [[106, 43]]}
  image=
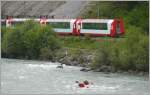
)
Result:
{"points": [[84, 84], [81, 85]]}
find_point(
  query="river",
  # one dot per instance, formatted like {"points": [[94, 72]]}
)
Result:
{"points": [[41, 77]]}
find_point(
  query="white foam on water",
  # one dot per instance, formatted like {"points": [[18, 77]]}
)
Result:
{"points": [[43, 66], [2, 83], [92, 87], [22, 77]]}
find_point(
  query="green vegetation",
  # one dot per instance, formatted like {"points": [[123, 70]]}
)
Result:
{"points": [[80, 42], [129, 54], [132, 52], [29, 40]]}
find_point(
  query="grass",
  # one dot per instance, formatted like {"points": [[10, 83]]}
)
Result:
{"points": [[83, 42]]}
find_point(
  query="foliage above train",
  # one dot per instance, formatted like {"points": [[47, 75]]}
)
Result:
{"points": [[94, 27]]}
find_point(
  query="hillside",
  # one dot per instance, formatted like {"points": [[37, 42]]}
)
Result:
{"points": [[59, 9], [28, 8]]}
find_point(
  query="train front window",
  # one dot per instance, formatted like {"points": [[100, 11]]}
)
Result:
{"points": [[64, 25], [118, 27], [97, 26]]}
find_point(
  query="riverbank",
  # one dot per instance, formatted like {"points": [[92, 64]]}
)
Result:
{"points": [[84, 58], [84, 67]]}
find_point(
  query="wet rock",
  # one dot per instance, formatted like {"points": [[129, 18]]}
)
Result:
{"points": [[119, 71], [66, 60], [97, 70], [131, 71], [85, 69], [82, 58], [74, 63], [89, 58], [141, 73], [103, 69], [125, 72]]}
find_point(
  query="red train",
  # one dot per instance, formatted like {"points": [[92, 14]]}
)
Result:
{"points": [[95, 27]]}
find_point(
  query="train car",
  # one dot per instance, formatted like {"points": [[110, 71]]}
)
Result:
{"points": [[62, 26], [94, 27], [101, 27]]}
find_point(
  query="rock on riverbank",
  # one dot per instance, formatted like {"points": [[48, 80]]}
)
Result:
{"points": [[84, 59], [75, 57]]}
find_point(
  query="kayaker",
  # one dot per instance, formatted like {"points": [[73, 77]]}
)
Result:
{"points": [[86, 82], [81, 85]]}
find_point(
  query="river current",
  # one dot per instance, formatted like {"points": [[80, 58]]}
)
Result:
{"points": [[41, 77]]}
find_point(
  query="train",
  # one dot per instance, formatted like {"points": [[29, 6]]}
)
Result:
{"points": [[78, 27]]}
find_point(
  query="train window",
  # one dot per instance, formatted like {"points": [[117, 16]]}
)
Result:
{"points": [[65, 25], [3, 23], [118, 27], [97, 26]]}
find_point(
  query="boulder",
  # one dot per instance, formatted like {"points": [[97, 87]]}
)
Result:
{"points": [[85, 69], [103, 68]]}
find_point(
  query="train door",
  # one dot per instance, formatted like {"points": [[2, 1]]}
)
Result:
{"points": [[72, 25], [119, 27], [43, 21], [8, 22], [77, 27]]}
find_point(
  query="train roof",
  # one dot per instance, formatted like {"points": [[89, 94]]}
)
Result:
{"points": [[48, 20], [59, 20], [64, 20]]}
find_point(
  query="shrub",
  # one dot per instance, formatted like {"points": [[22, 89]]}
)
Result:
{"points": [[102, 56], [46, 54], [28, 40], [138, 46], [128, 54]]}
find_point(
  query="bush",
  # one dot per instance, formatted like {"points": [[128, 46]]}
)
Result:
{"points": [[28, 41], [138, 46], [128, 54], [102, 56], [46, 54]]}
